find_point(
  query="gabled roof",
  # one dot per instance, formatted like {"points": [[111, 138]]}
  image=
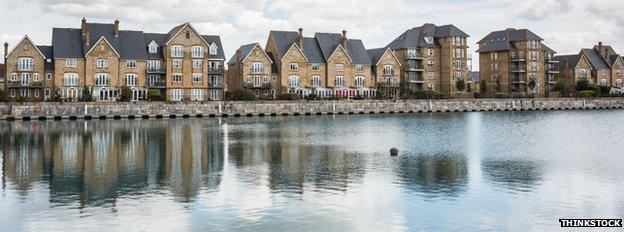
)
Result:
{"points": [[547, 49], [132, 45], [330, 42], [274, 69], [216, 40], [595, 59], [243, 52], [102, 30], [67, 43], [415, 37], [48, 53], [312, 50], [503, 40], [26, 39], [572, 60], [613, 59], [106, 41], [159, 39], [283, 40], [378, 53]]}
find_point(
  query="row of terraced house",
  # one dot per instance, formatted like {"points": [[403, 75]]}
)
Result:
{"points": [[184, 64]]}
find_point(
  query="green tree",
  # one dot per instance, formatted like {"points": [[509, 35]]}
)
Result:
{"points": [[86, 94], [126, 94], [482, 86], [2, 96], [154, 95], [460, 84], [583, 84], [242, 95], [559, 86]]}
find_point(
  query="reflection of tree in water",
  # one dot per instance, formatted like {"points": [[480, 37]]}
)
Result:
{"points": [[432, 176], [515, 175]]}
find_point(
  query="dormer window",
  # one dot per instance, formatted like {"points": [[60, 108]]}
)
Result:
{"points": [[429, 40], [153, 47], [213, 49]]}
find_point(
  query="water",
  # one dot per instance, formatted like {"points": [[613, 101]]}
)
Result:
{"points": [[462, 171]]}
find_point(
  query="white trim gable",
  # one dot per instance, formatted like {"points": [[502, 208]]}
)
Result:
{"points": [[298, 49], [344, 50], [20, 42], [265, 54], [393, 55], [153, 43], [105, 40], [187, 24]]}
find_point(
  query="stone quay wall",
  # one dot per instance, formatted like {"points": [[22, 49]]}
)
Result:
{"points": [[102, 110]]}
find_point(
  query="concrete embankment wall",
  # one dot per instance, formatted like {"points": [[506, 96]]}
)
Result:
{"points": [[92, 110]]}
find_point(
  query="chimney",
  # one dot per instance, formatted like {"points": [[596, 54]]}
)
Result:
{"points": [[6, 51], [601, 50], [300, 41], [86, 34], [116, 28], [344, 39], [83, 26]]}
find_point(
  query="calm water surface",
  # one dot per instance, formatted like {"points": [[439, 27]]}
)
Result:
{"points": [[463, 171]]}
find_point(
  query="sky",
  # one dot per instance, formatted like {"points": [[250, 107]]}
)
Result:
{"points": [[565, 25]]}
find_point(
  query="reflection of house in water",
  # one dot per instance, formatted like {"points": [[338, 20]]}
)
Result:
{"points": [[94, 163], [514, 175], [288, 165], [443, 175]]}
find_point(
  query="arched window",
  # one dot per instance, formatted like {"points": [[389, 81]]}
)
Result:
{"points": [[339, 81], [101, 79], [316, 81]]}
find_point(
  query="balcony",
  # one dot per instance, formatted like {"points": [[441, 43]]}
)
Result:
{"points": [[157, 84], [30, 84], [258, 86], [414, 68], [388, 84], [518, 69], [213, 85], [215, 70], [517, 58], [157, 71], [518, 80], [414, 56]]}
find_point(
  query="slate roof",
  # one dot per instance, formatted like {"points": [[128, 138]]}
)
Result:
{"points": [[320, 47], [415, 37], [547, 49], [48, 53], [68, 42], [244, 51], [273, 64], [503, 40], [596, 59], [571, 59], [376, 54], [475, 77]]}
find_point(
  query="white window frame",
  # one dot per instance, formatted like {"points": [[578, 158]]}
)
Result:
{"points": [[36, 77], [25, 78], [153, 65], [429, 40], [197, 52], [315, 81], [25, 64], [360, 81], [131, 64], [177, 78], [213, 49], [388, 70], [70, 79], [177, 51], [316, 67], [257, 67], [101, 79], [293, 81], [198, 78], [101, 63], [177, 94], [176, 63], [339, 81], [153, 48], [131, 79], [339, 67], [198, 63], [13, 77], [359, 67], [294, 66], [70, 62]]}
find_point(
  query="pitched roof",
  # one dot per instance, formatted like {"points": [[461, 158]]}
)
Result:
{"points": [[48, 53], [376, 54], [475, 77], [503, 40], [215, 39], [274, 69], [99, 30], [329, 42], [547, 49], [67, 43], [241, 53], [283, 40], [159, 39], [132, 45], [415, 37], [595, 58], [572, 60], [312, 50]]}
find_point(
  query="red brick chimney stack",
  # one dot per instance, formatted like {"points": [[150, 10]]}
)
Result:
{"points": [[116, 28]]}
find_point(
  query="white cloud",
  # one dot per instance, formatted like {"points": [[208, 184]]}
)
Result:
{"points": [[566, 25]]}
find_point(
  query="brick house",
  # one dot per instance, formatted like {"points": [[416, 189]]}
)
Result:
{"points": [[252, 68], [27, 66], [385, 71]]}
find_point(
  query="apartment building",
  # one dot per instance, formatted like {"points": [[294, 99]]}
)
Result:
{"points": [[100, 59], [600, 65], [432, 58], [252, 68], [327, 64], [515, 62], [385, 71], [28, 67]]}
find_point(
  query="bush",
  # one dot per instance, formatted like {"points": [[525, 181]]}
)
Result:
{"points": [[311, 97], [242, 95], [583, 84], [154, 95], [482, 86], [423, 94], [336, 97], [358, 97], [56, 97], [289, 96], [21, 99], [559, 86], [86, 95], [501, 96], [587, 93], [460, 85], [604, 90], [381, 96], [126, 94], [477, 95]]}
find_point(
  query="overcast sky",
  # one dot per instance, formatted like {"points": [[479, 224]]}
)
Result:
{"points": [[565, 25]]}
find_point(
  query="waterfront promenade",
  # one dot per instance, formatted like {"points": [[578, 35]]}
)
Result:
{"points": [[132, 110]]}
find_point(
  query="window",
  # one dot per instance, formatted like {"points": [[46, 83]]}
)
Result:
{"points": [[429, 40], [388, 70], [294, 66], [618, 82], [359, 67], [493, 56], [101, 79], [339, 67], [36, 77], [176, 78], [458, 53], [293, 81], [197, 52], [131, 79], [458, 75], [316, 67], [534, 66], [458, 64], [197, 78], [49, 76], [176, 63], [70, 63], [431, 62], [12, 92], [101, 63], [533, 55], [583, 73], [359, 81], [153, 48], [213, 49], [187, 35], [197, 95], [257, 67], [36, 93], [198, 63], [25, 64], [25, 77], [153, 79], [153, 65], [339, 82], [316, 81], [177, 51], [603, 81], [430, 52], [431, 75], [130, 63], [47, 93], [176, 94], [13, 76]]}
